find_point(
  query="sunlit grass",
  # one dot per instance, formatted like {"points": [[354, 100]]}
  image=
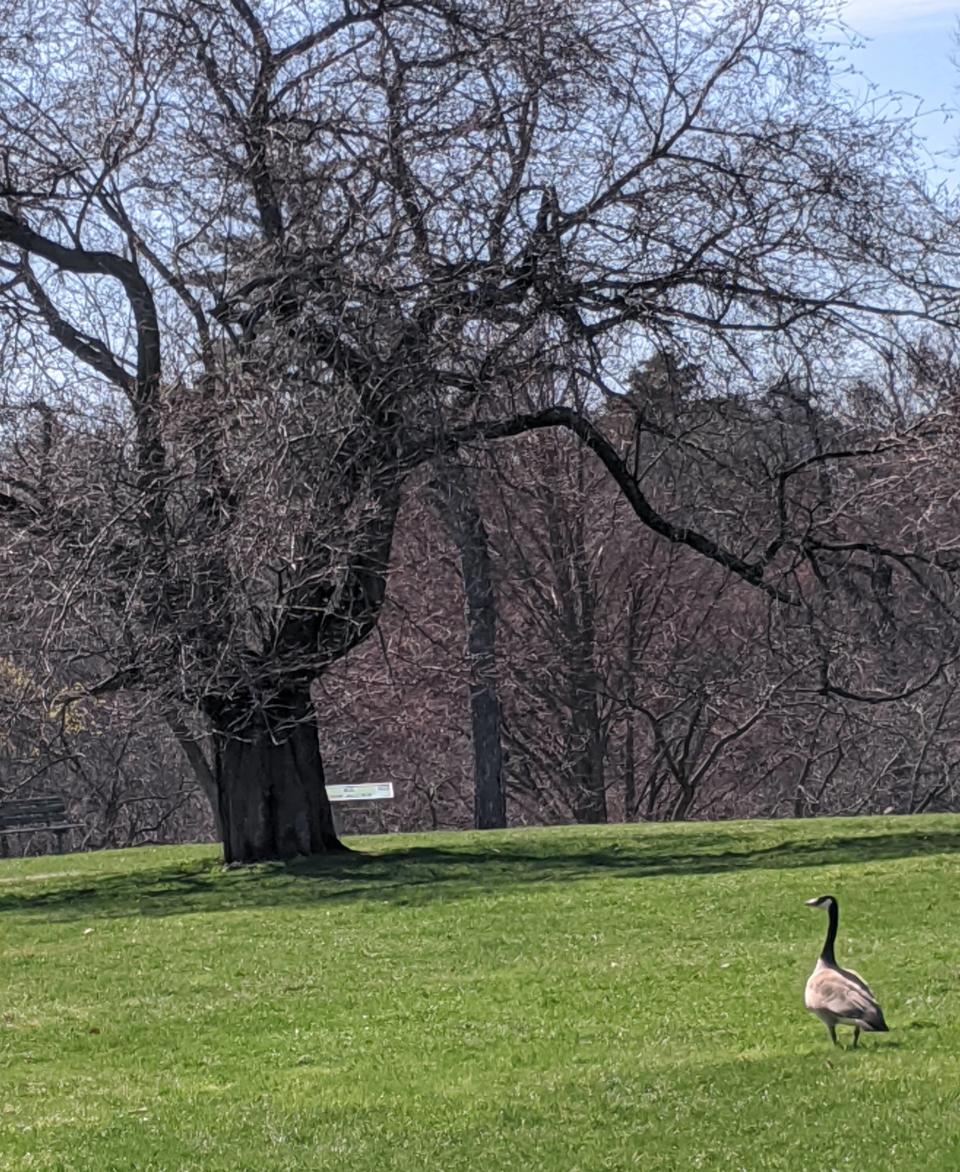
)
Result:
{"points": [[561, 999]]}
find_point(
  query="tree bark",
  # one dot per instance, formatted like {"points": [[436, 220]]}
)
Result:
{"points": [[489, 797], [197, 760], [590, 794], [631, 803], [272, 799], [681, 807], [567, 535], [458, 509]]}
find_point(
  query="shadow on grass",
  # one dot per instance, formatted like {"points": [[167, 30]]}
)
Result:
{"points": [[422, 874]]}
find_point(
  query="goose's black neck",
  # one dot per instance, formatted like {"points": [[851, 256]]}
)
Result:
{"points": [[833, 915]]}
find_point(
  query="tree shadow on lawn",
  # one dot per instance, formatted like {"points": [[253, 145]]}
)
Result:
{"points": [[423, 874]]}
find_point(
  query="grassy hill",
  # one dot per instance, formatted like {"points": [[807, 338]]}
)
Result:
{"points": [[566, 999]]}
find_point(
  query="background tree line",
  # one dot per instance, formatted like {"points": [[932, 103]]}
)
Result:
{"points": [[633, 679], [617, 339], [639, 682]]}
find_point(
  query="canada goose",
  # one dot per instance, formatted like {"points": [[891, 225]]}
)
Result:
{"points": [[840, 996]]}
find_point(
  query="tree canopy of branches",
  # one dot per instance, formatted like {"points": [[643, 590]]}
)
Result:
{"points": [[262, 260]]}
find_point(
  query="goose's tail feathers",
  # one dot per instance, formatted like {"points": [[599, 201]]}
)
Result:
{"points": [[873, 1021]]}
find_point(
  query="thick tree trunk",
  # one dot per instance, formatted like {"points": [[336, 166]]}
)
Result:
{"points": [[272, 800]]}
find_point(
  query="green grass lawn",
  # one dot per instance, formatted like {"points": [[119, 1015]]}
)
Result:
{"points": [[607, 998]]}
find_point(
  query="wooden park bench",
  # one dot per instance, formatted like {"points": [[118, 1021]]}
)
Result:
{"points": [[31, 815]]}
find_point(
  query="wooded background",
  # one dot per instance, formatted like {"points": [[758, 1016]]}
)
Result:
{"points": [[548, 407]]}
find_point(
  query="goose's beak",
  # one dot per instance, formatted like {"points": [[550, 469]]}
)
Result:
{"points": [[810, 902]]}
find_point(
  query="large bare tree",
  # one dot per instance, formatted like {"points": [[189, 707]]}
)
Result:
{"points": [[261, 260]]}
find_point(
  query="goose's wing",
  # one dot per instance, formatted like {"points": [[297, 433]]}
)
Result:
{"points": [[847, 999], [853, 975]]}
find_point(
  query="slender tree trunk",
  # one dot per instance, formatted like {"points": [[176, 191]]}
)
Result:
{"points": [[489, 797], [630, 800], [272, 799], [458, 508], [683, 803], [197, 760], [590, 794], [629, 773], [654, 786], [590, 766], [584, 773]]}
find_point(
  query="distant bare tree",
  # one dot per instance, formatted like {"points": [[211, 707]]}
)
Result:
{"points": [[455, 499]]}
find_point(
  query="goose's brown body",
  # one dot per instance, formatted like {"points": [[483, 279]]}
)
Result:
{"points": [[840, 996]]}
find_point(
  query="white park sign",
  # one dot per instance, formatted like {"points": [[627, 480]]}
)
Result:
{"points": [[362, 792]]}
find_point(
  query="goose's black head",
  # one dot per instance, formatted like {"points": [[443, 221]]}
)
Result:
{"points": [[824, 901]]}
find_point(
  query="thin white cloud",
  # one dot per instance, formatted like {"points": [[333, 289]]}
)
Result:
{"points": [[868, 15]]}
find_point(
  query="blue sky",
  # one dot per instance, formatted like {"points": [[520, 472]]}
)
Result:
{"points": [[909, 48]]}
